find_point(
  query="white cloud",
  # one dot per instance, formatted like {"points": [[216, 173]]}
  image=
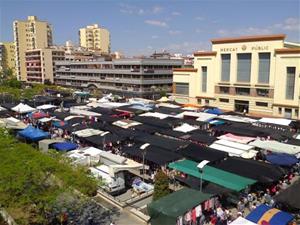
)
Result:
{"points": [[157, 23], [157, 9], [199, 18], [187, 47], [154, 36], [289, 24], [176, 13], [244, 31], [174, 32]]}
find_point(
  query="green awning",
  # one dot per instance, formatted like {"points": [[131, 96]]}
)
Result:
{"points": [[214, 175], [167, 209]]}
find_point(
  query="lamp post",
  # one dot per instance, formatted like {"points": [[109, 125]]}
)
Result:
{"points": [[201, 166], [143, 149]]}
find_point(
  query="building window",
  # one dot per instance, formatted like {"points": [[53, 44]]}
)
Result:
{"points": [[182, 88], [261, 104], [199, 101], [242, 91], [225, 100], [204, 78], [288, 113], [224, 90], [225, 72], [243, 67], [206, 102], [264, 68], [262, 92], [280, 110], [296, 112], [290, 83]]}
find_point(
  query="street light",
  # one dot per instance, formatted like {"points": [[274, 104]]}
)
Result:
{"points": [[143, 148], [201, 166]]}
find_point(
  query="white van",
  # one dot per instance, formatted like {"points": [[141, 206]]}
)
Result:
{"points": [[112, 185]]}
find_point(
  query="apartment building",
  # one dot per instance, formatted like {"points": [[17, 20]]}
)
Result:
{"points": [[95, 38], [256, 74], [7, 56], [127, 77], [28, 35], [40, 64]]}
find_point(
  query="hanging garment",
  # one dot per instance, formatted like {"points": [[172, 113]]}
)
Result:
{"points": [[179, 220], [194, 215], [198, 211]]}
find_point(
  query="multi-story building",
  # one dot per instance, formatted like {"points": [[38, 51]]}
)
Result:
{"points": [[95, 38], [40, 64], [127, 77], [28, 35], [256, 74], [7, 56]]}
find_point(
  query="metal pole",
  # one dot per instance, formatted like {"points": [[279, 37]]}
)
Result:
{"points": [[201, 181], [143, 165]]}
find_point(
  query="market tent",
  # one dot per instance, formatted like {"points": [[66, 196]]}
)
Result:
{"points": [[278, 121], [214, 175], [105, 138], [275, 146], [87, 132], [199, 153], [241, 130], [282, 159], [185, 128], [257, 170], [215, 111], [162, 142], [45, 107], [59, 124], [64, 146], [23, 108], [38, 115], [271, 215], [147, 128], [242, 221], [153, 154], [166, 210], [33, 134], [202, 137], [236, 138], [290, 196]]}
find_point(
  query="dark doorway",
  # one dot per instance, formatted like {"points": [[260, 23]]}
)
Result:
{"points": [[241, 106]]}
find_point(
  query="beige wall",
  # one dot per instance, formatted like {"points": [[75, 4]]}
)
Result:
{"points": [[95, 38], [276, 85], [25, 40], [9, 56]]}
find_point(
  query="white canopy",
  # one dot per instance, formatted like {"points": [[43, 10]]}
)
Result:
{"points": [[236, 145], [126, 123], [275, 146], [206, 116], [231, 151], [83, 112], [155, 114], [46, 119], [242, 221], [23, 108], [2, 109], [88, 132], [278, 121], [13, 123], [237, 118], [46, 107], [185, 128], [163, 99], [236, 138]]}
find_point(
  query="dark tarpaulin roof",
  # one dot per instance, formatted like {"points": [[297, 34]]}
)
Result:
{"points": [[9, 105], [199, 153], [76, 127], [166, 210], [193, 122], [171, 133], [202, 137], [161, 142], [147, 128], [154, 122], [211, 188], [153, 154], [102, 110], [293, 141], [98, 140], [290, 196], [168, 110], [257, 170], [240, 130], [295, 124], [60, 115]]}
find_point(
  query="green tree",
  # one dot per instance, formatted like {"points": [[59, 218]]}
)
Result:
{"points": [[161, 186]]}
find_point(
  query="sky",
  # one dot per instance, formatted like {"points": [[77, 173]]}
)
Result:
{"points": [[144, 26]]}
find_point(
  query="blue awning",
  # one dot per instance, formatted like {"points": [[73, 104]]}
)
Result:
{"points": [[64, 146], [33, 134], [215, 111], [282, 159], [271, 215]]}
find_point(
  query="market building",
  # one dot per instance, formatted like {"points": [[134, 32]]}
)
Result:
{"points": [[258, 75], [145, 77]]}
